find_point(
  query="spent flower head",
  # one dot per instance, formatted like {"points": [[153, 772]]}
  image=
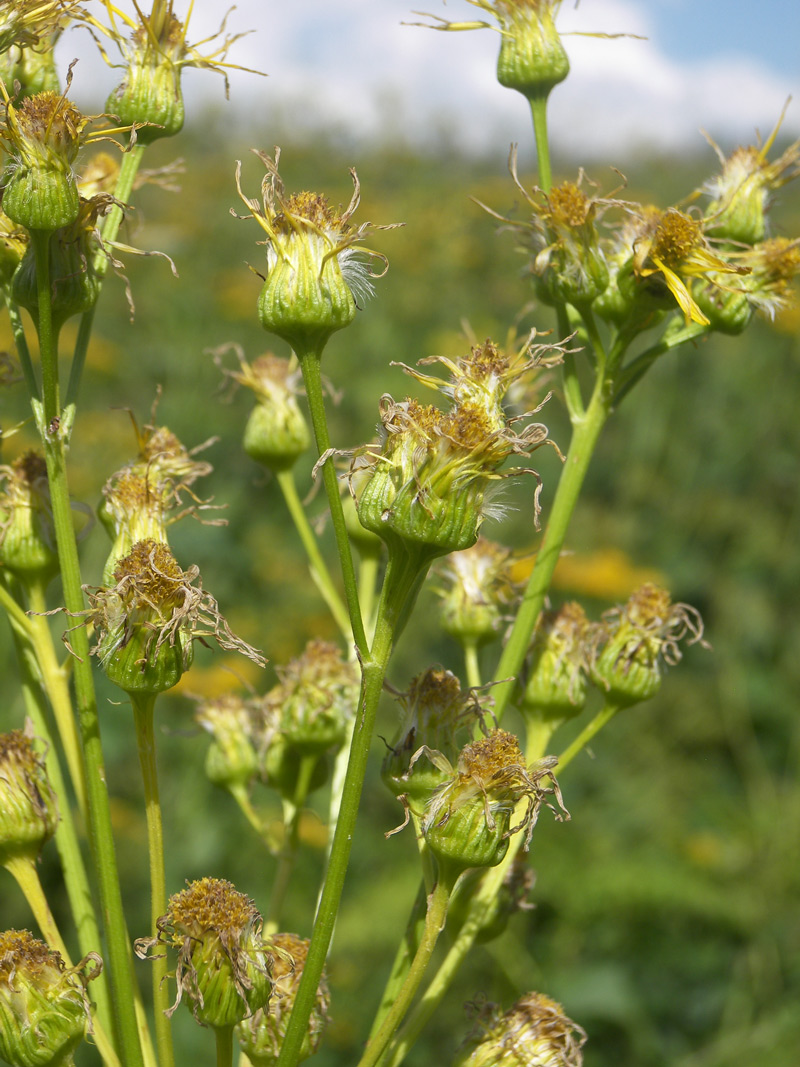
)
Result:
{"points": [[261, 1036], [427, 487], [634, 641], [224, 965], [276, 433], [318, 269], [27, 534], [535, 1032], [767, 287], [44, 1010], [437, 714], [532, 58], [29, 30], [155, 51], [147, 622], [28, 806], [232, 759], [740, 194], [554, 685], [477, 588], [467, 821]]}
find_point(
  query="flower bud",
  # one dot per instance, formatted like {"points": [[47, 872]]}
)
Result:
{"points": [[316, 265], [44, 1010], [634, 641], [224, 965], [39, 187], [532, 59], [261, 1036], [436, 714], [28, 806], [467, 822], [534, 1033], [555, 685], [478, 589], [231, 760], [27, 536]]}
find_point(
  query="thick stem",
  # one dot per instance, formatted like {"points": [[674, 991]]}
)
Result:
{"points": [[312, 378], [406, 951], [101, 836], [399, 585], [582, 445], [143, 707], [539, 116], [224, 1036], [434, 922], [319, 571], [472, 664]]}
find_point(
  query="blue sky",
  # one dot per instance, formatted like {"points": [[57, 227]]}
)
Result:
{"points": [[727, 66]]}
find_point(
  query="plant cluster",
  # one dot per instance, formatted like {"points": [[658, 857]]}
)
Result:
{"points": [[621, 284]]}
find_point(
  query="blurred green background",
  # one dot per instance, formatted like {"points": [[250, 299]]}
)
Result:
{"points": [[666, 917]]}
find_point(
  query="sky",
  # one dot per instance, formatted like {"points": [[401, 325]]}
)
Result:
{"points": [[724, 66]]}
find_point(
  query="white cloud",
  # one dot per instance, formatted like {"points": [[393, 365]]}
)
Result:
{"points": [[353, 64]]}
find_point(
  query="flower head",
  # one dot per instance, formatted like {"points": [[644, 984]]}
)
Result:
{"points": [[555, 684], [318, 270], [532, 59], [44, 1010], [630, 647], [28, 807], [155, 51], [147, 622], [671, 251], [740, 194], [224, 965], [29, 30], [437, 715], [477, 588], [428, 482], [276, 433], [535, 1032], [261, 1036], [147, 495], [27, 534], [768, 286], [467, 821], [232, 759]]}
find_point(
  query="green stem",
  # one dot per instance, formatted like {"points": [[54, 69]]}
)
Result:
{"points": [[399, 585], [434, 922], [539, 116], [406, 951], [56, 684], [101, 836], [605, 715], [224, 1036], [23, 870], [310, 366], [143, 708], [582, 445], [637, 367], [319, 571], [109, 230], [66, 836], [472, 664], [367, 579], [292, 811], [21, 342]]}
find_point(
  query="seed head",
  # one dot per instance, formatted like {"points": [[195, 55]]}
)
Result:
{"points": [[478, 587], [555, 684], [224, 966]]}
